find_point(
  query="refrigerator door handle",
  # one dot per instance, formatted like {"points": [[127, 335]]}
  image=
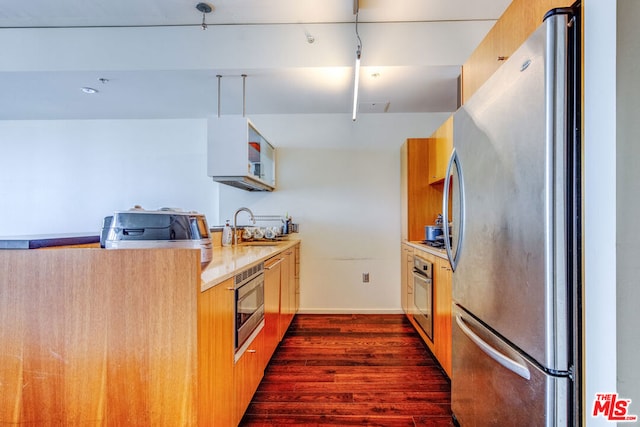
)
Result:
{"points": [[512, 365], [454, 258]]}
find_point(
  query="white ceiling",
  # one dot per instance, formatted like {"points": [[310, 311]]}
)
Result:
{"points": [[160, 63]]}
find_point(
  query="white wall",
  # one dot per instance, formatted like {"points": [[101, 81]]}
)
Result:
{"points": [[612, 179], [628, 203], [347, 205], [338, 179], [66, 176], [341, 182], [599, 199]]}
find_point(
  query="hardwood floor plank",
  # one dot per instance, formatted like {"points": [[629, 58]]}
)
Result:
{"points": [[326, 387], [338, 408], [341, 370], [330, 421]]}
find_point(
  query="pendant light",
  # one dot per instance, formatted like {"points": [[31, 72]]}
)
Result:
{"points": [[356, 77]]}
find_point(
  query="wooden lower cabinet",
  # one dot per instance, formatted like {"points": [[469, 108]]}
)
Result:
{"points": [[288, 284], [297, 276], [272, 273], [225, 386], [442, 312], [248, 373], [440, 346], [216, 342], [406, 280]]}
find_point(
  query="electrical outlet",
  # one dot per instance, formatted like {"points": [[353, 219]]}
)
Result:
{"points": [[365, 277]]}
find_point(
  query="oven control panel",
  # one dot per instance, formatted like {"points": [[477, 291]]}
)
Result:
{"points": [[422, 266]]}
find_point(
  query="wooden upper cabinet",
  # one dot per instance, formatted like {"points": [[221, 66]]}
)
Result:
{"points": [[420, 202], [414, 188], [515, 25], [439, 151]]}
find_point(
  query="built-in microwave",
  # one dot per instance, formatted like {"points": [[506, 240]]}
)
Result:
{"points": [[249, 288]]}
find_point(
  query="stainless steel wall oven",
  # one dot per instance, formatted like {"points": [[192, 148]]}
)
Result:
{"points": [[423, 294], [249, 287]]}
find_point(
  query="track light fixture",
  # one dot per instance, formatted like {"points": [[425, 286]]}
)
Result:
{"points": [[204, 8], [356, 77]]}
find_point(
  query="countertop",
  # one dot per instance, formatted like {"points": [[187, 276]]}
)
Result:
{"points": [[229, 260], [430, 249], [37, 241], [225, 263]]}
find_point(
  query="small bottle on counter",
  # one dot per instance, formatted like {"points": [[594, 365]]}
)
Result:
{"points": [[227, 234]]}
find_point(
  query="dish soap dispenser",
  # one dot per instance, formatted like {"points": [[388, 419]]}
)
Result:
{"points": [[227, 234]]}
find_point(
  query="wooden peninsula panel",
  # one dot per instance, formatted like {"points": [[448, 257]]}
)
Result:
{"points": [[94, 337]]}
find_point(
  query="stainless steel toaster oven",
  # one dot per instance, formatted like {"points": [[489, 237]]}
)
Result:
{"points": [[164, 228]]}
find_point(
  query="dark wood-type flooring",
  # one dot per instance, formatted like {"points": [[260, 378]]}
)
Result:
{"points": [[342, 370]]}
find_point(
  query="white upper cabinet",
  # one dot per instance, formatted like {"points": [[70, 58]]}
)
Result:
{"points": [[238, 155]]}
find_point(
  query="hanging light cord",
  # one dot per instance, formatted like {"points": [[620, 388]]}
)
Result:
{"points": [[358, 35], [204, 23]]}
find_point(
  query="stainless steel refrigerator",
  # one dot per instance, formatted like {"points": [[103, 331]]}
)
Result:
{"points": [[513, 195]]}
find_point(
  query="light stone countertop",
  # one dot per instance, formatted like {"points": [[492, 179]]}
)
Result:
{"points": [[229, 260], [430, 249]]}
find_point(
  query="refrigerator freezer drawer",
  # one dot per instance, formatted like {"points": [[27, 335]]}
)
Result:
{"points": [[494, 385]]}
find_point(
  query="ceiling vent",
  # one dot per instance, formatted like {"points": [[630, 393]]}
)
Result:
{"points": [[373, 107]]}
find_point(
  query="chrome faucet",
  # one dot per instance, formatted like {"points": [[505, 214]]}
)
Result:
{"points": [[235, 221]]}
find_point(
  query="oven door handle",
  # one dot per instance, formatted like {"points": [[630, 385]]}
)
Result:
{"points": [[420, 277]]}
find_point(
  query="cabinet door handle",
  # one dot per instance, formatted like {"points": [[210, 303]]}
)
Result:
{"points": [[231, 289], [251, 351], [270, 266]]}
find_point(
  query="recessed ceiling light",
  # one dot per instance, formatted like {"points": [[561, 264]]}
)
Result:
{"points": [[89, 90]]}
